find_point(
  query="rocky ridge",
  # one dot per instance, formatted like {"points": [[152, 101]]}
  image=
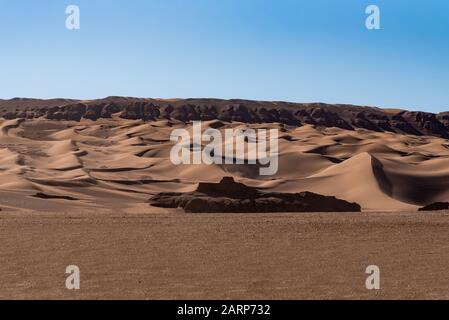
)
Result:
{"points": [[343, 116]]}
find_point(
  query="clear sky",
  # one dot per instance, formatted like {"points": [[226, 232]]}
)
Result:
{"points": [[297, 50]]}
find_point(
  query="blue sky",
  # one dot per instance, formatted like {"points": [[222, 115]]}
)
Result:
{"points": [[298, 50]]}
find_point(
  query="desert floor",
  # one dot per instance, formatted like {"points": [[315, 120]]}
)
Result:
{"points": [[179, 256]]}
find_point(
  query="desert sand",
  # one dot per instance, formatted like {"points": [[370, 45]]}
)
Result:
{"points": [[76, 183], [245, 256], [119, 164]]}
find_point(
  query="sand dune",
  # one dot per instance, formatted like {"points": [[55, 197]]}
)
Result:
{"points": [[119, 164]]}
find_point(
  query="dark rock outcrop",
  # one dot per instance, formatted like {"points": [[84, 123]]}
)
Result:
{"points": [[425, 123], [229, 196], [435, 206], [93, 112], [73, 112], [49, 196], [343, 116]]}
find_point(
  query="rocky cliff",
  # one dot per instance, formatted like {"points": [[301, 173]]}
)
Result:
{"points": [[295, 114]]}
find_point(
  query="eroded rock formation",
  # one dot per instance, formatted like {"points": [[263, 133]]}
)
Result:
{"points": [[295, 114], [229, 196]]}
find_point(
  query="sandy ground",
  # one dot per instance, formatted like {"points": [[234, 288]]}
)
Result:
{"points": [[179, 256], [103, 174]]}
